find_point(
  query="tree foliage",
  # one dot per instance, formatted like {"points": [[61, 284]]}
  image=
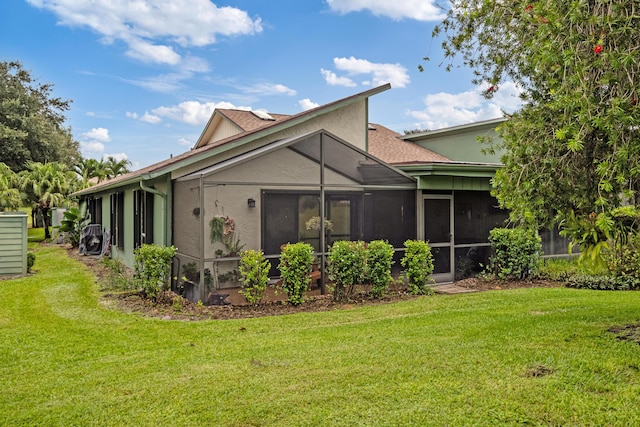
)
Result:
{"points": [[574, 147], [10, 197], [47, 186], [32, 121], [92, 171]]}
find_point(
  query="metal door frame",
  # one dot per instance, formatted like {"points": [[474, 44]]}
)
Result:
{"points": [[442, 277]]}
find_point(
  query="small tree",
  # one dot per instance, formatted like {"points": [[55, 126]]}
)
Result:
{"points": [[254, 269], [418, 266], [295, 264]]}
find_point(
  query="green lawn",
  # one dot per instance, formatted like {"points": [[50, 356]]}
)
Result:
{"points": [[531, 356]]}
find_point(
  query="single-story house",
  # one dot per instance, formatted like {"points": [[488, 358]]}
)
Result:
{"points": [[256, 180]]}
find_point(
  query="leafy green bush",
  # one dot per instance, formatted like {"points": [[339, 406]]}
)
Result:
{"points": [[418, 266], [254, 269], [295, 264], [31, 260], [347, 267], [516, 252], [602, 282], [379, 261], [72, 223], [152, 266]]}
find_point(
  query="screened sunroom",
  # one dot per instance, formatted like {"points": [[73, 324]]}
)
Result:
{"points": [[313, 188]]}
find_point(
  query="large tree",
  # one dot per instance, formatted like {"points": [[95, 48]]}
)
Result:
{"points": [[32, 121], [573, 149]]}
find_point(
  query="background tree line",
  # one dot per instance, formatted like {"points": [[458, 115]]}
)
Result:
{"points": [[40, 162]]}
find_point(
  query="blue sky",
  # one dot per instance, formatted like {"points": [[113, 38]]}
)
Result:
{"points": [[145, 75]]}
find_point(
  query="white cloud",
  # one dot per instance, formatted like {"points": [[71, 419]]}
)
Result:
{"points": [[270, 89], [92, 147], [193, 112], [150, 118], [333, 80], [147, 52], [185, 142], [380, 73], [90, 114], [420, 10], [99, 134], [131, 115], [451, 109], [153, 29], [117, 156], [306, 104]]}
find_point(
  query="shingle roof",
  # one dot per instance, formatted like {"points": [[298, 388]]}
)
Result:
{"points": [[247, 121], [386, 145], [282, 121]]}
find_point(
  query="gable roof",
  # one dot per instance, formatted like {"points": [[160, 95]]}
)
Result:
{"points": [[388, 146], [206, 151], [384, 143]]}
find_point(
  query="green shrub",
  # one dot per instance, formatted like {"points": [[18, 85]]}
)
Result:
{"points": [[152, 266], [624, 260], [347, 267], [254, 269], [379, 262], [31, 260], [516, 252], [602, 282], [295, 264], [418, 266]]}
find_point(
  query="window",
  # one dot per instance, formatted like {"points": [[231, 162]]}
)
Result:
{"points": [[142, 218], [94, 209], [117, 220]]}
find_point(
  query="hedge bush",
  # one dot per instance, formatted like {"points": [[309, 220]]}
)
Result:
{"points": [[347, 267], [418, 266], [379, 262], [295, 264], [254, 269], [516, 252]]}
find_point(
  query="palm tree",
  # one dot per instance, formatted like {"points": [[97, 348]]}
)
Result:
{"points": [[47, 185], [10, 197], [90, 170], [115, 167]]}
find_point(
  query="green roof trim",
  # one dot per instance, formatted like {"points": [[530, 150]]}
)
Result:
{"points": [[453, 176]]}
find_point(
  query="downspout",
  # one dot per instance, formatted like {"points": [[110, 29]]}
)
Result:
{"points": [[144, 187]]}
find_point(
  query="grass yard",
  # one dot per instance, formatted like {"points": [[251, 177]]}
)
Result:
{"points": [[527, 356]]}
